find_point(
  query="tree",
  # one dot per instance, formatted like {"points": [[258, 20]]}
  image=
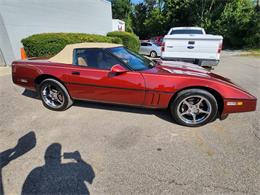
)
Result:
{"points": [[180, 13], [139, 17], [155, 23], [148, 19], [121, 9], [237, 20], [239, 24]]}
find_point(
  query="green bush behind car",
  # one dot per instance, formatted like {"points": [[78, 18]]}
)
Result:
{"points": [[49, 44], [130, 40]]}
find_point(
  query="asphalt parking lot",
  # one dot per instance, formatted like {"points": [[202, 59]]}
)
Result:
{"points": [[125, 150]]}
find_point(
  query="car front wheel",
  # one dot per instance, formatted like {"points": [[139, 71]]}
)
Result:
{"points": [[194, 107], [153, 54], [54, 95]]}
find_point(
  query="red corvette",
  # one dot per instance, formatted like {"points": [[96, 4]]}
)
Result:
{"points": [[110, 73]]}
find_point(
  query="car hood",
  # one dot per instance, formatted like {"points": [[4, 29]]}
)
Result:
{"points": [[185, 69], [188, 70]]}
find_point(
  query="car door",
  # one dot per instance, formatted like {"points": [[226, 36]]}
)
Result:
{"points": [[143, 48], [91, 79], [149, 48]]}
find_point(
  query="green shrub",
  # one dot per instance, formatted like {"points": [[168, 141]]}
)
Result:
{"points": [[49, 44], [130, 40]]}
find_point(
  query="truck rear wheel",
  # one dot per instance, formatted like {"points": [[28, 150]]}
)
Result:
{"points": [[54, 95]]}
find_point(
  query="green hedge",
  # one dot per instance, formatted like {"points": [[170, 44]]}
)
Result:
{"points": [[130, 40], [49, 44]]}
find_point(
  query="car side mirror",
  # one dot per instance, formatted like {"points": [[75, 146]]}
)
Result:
{"points": [[118, 69]]}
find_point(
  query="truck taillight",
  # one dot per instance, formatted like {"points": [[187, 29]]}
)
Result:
{"points": [[163, 47], [220, 47]]}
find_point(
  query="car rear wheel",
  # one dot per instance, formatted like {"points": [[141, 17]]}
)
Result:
{"points": [[153, 54], [194, 107], [54, 95]]}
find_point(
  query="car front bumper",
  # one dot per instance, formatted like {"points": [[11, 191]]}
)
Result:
{"points": [[239, 105]]}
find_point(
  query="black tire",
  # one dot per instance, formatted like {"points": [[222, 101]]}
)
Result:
{"points": [[66, 99], [153, 54], [179, 105]]}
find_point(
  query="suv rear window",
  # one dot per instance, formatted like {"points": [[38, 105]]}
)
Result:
{"points": [[186, 31]]}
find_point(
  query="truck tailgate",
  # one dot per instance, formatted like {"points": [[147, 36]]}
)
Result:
{"points": [[192, 46]]}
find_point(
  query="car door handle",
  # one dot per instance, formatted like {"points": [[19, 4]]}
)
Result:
{"points": [[190, 47], [75, 73]]}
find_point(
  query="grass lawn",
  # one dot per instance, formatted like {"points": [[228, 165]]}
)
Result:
{"points": [[251, 52]]}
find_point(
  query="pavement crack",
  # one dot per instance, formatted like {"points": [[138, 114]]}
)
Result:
{"points": [[173, 181], [225, 188], [177, 183], [257, 137]]}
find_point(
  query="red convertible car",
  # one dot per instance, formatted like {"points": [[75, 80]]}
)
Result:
{"points": [[111, 73]]}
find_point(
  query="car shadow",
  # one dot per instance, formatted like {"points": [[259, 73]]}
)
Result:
{"points": [[30, 94], [160, 113], [24, 145], [55, 177]]}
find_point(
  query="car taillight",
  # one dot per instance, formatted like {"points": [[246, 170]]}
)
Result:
{"points": [[13, 67], [163, 46], [220, 47]]}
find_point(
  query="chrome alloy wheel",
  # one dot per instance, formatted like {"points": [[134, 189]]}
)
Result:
{"points": [[52, 96], [194, 109]]}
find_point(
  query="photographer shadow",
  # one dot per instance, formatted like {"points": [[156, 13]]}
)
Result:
{"points": [[24, 145], [55, 177]]}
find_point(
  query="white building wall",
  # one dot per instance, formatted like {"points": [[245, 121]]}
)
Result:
{"points": [[6, 51], [22, 18]]}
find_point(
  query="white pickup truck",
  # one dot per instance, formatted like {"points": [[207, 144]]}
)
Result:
{"points": [[192, 44]]}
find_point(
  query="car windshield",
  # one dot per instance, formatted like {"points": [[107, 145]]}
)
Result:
{"points": [[133, 60]]}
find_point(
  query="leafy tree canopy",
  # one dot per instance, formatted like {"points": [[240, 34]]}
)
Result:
{"points": [[238, 21]]}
